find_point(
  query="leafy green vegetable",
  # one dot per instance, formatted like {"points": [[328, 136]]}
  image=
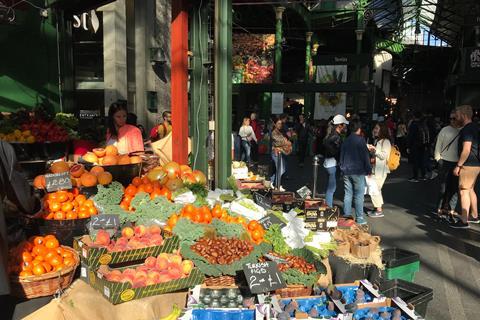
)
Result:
{"points": [[274, 236], [198, 189], [229, 230], [227, 197], [123, 215], [220, 269], [200, 202], [66, 120], [188, 231], [147, 209], [109, 195], [232, 182], [324, 250], [294, 276]]}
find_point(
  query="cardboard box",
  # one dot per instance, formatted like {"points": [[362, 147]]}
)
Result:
{"points": [[94, 257], [118, 292]]}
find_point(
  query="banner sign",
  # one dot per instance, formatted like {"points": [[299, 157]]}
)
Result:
{"points": [[329, 104]]}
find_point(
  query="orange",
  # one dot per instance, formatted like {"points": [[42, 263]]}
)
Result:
{"points": [[69, 261], [104, 178], [71, 215], [135, 159], [59, 215], [66, 254], [80, 199], [256, 235], [52, 196], [38, 270], [88, 179], [131, 190], [62, 197], [26, 256], [92, 211], [111, 150], [89, 203], [39, 182], [90, 157], [137, 181], [50, 253], [110, 161], [55, 260], [207, 217], [54, 206], [252, 225], [59, 267], [38, 240], [27, 266], [48, 267], [25, 274], [99, 152], [83, 215], [67, 206], [59, 167], [217, 211], [77, 170], [124, 159], [49, 216], [52, 243], [97, 170], [241, 220]]}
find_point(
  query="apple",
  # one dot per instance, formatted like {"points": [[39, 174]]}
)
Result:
{"points": [[187, 267], [128, 232]]}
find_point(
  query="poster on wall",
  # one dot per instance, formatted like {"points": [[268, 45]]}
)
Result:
{"points": [[277, 102], [252, 57], [328, 104]]}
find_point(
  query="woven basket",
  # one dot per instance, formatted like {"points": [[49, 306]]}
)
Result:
{"points": [[360, 251], [222, 281], [46, 284], [343, 248], [374, 242], [294, 291]]}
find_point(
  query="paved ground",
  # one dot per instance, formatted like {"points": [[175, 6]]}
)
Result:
{"points": [[450, 258]]}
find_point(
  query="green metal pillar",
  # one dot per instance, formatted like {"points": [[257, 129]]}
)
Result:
{"points": [[199, 85], [308, 61], [223, 92], [359, 35], [278, 43]]}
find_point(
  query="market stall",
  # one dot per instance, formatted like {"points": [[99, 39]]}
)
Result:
{"points": [[247, 253]]}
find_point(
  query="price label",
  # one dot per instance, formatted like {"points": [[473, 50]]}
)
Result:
{"points": [[270, 219], [58, 181], [263, 277], [89, 114], [104, 221], [262, 200], [304, 192]]}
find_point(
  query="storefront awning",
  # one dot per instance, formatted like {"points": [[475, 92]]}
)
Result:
{"points": [[77, 6]]}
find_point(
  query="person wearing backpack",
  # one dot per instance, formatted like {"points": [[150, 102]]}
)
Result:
{"points": [[331, 150], [446, 155], [381, 153]]}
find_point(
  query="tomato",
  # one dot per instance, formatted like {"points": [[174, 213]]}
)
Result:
{"points": [[38, 270], [141, 188], [145, 180], [217, 211], [166, 193], [189, 208], [172, 221], [256, 235], [75, 192], [197, 217], [207, 217], [38, 240], [124, 205], [252, 225], [137, 181], [52, 243], [67, 206], [131, 190], [59, 215], [128, 198], [148, 187]]}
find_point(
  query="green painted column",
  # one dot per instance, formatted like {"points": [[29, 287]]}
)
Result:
{"points": [[308, 59], [199, 86], [359, 35], [278, 43], [223, 92]]}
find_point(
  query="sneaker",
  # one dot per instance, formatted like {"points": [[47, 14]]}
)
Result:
{"points": [[460, 225], [433, 175], [361, 221], [412, 180], [423, 179], [375, 214], [281, 189], [474, 220]]}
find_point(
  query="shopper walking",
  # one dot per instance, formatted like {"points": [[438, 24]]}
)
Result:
{"points": [[302, 129], [355, 165], [281, 147], [417, 142], [468, 166], [446, 155], [331, 150], [257, 129], [247, 135], [381, 152]]}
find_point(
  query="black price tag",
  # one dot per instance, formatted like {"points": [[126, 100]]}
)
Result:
{"points": [[88, 114], [104, 221], [58, 181], [263, 277], [270, 219], [262, 200]]}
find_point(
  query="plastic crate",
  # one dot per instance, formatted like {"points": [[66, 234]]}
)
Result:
{"points": [[400, 264], [219, 314], [415, 294]]}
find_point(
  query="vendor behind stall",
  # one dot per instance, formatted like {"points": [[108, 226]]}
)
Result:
{"points": [[163, 129], [127, 138], [15, 189]]}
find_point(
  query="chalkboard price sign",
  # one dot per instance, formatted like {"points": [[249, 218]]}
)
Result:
{"points": [[58, 181], [270, 219], [263, 277], [262, 200], [104, 221]]}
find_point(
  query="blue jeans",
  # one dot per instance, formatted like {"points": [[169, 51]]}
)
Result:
{"points": [[280, 170], [331, 185], [354, 189], [246, 150]]}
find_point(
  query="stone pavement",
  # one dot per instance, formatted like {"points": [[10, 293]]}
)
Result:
{"points": [[450, 258]]}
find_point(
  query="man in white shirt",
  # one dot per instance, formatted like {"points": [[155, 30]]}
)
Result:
{"points": [[446, 154]]}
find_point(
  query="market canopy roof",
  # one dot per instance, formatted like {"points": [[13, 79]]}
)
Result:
{"points": [[77, 6]]}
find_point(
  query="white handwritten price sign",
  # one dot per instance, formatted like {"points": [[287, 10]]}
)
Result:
{"points": [[263, 277], [58, 181]]}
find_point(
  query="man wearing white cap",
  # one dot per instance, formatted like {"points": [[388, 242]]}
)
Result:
{"points": [[332, 145]]}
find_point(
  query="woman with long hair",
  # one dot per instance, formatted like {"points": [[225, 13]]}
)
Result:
{"points": [[281, 147], [380, 154], [247, 135], [127, 138]]}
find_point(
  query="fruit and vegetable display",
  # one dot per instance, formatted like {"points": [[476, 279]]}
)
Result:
{"points": [[163, 268], [222, 250], [132, 238], [38, 256], [109, 156]]}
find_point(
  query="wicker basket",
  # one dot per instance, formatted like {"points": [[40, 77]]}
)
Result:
{"points": [[222, 281], [343, 248], [361, 251], [46, 284], [294, 291], [374, 242]]}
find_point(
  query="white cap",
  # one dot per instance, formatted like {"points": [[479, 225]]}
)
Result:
{"points": [[339, 119]]}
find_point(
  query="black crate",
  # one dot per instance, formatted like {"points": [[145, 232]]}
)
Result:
{"points": [[415, 294], [395, 257]]}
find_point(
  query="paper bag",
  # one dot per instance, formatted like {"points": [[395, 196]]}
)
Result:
{"points": [[164, 148]]}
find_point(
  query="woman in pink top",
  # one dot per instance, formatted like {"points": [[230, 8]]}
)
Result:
{"points": [[125, 137]]}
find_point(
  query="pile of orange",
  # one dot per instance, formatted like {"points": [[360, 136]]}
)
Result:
{"points": [[38, 256], [205, 215], [64, 205], [109, 156], [154, 189]]}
